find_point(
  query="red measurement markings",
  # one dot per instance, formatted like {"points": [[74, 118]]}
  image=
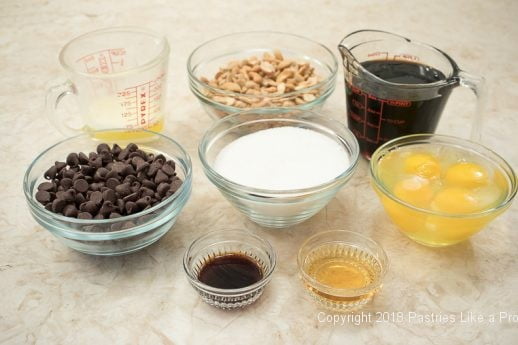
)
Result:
{"points": [[369, 116], [104, 61]]}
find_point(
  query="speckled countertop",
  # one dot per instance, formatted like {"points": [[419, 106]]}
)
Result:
{"points": [[52, 295]]}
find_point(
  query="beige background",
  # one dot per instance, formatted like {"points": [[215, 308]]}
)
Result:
{"points": [[52, 295]]}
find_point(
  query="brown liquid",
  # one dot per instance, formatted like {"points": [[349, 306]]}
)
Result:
{"points": [[375, 120], [230, 271]]}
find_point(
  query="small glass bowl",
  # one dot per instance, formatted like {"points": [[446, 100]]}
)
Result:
{"points": [[434, 228], [218, 243], [110, 236], [276, 208], [337, 244], [206, 60]]}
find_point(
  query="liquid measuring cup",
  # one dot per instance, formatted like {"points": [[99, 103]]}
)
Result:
{"points": [[395, 87], [119, 78]]}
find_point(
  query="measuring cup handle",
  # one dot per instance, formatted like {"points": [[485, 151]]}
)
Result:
{"points": [[54, 95], [477, 84]]}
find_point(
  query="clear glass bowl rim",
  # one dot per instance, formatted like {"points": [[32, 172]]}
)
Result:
{"points": [[164, 53], [230, 292], [62, 218], [350, 140], [328, 80], [412, 139], [383, 261]]}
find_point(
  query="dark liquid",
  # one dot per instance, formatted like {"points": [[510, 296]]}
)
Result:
{"points": [[230, 271], [375, 120]]}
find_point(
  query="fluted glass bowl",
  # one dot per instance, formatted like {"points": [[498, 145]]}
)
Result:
{"points": [[349, 251], [206, 60], [276, 208], [218, 243], [110, 236]]}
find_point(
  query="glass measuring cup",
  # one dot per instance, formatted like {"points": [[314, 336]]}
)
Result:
{"points": [[395, 87], [119, 78]]}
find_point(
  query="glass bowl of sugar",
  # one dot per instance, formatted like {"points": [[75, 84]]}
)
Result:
{"points": [[278, 167]]}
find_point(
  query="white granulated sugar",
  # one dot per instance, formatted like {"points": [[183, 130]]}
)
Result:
{"points": [[282, 158]]}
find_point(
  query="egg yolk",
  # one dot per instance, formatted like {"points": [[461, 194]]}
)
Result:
{"points": [[455, 200], [424, 165], [415, 191], [465, 174]]}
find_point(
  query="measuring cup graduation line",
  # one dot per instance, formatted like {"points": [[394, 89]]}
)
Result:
{"points": [[100, 62], [142, 101]]}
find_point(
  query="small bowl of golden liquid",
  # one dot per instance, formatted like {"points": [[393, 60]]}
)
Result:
{"points": [[342, 270]]}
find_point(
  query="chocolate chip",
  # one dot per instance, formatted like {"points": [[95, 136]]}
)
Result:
{"points": [[118, 167], [116, 149], [153, 168], [107, 208], [80, 198], [83, 158], [100, 174], [112, 174], [58, 205], [109, 195], [88, 170], [106, 157], [51, 173], [112, 183], [123, 154], [168, 169], [175, 185], [131, 197], [89, 206], [150, 157], [132, 147], [135, 186], [84, 215], [69, 173], [130, 179], [123, 189], [70, 211], [137, 153], [60, 165], [81, 185], [149, 184], [161, 177], [143, 202], [128, 170], [159, 159], [77, 176], [162, 188], [103, 147], [96, 186], [92, 155], [42, 197], [131, 207], [48, 206], [142, 166], [120, 205], [99, 216], [96, 197], [47, 186], [144, 191], [69, 195], [72, 159], [96, 162]]}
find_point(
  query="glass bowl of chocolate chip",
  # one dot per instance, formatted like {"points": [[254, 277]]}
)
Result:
{"points": [[261, 70], [109, 198]]}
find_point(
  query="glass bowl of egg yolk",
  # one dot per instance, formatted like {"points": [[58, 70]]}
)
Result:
{"points": [[440, 190]]}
